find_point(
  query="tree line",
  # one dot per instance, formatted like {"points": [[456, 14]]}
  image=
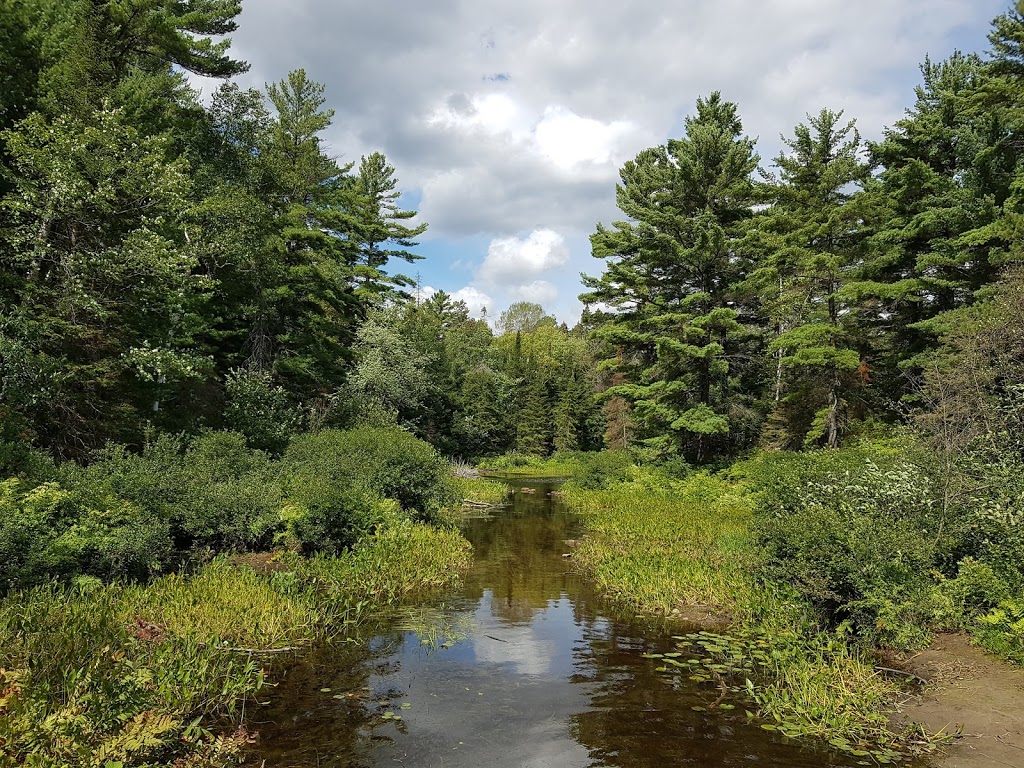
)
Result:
{"points": [[170, 266], [786, 306]]}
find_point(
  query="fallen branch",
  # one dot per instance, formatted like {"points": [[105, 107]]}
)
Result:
{"points": [[911, 675]]}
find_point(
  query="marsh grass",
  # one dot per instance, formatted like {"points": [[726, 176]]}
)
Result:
{"points": [[661, 551], [482, 489], [656, 547], [94, 675]]}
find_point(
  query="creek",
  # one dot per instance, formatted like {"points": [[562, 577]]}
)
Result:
{"points": [[524, 666]]}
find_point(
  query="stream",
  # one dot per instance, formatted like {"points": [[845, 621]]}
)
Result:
{"points": [[524, 666]]}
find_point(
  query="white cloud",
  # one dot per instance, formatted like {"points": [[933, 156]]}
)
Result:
{"points": [[513, 261], [568, 140], [508, 117], [475, 299], [539, 292]]}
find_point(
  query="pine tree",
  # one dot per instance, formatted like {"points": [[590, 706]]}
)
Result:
{"points": [[669, 279], [534, 429], [380, 229], [947, 170], [810, 240]]}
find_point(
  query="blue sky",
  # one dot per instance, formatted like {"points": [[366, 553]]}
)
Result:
{"points": [[507, 122]]}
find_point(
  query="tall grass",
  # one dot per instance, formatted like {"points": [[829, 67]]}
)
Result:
{"points": [[656, 545], [661, 551], [481, 489], [94, 675]]}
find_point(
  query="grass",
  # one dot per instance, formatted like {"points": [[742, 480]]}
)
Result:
{"points": [[105, 676], [659, 552], [659, 546], [481, 490], [527, 465]]}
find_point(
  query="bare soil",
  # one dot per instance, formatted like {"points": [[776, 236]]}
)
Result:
{"points": [[970, 690]]}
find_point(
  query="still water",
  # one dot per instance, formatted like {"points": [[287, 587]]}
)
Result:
{"points": [[524, 667]]}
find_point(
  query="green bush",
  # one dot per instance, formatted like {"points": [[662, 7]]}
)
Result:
{"points": [[129, 515], [328, 516], [48, 532], [380, 462], [213, 492], [857, 532], [513, 460], [261, 410], [1001, 631], [599, 471]]}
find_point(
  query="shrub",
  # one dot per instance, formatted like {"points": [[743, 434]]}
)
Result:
{"points": [[380, 462], [1001, 631], [856, 532], [329, 516], [213, 492], [260, 410], [48, 532], [513, 460], [598, 471]]}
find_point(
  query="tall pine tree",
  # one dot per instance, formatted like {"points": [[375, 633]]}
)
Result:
{"points": [[669, 282]]}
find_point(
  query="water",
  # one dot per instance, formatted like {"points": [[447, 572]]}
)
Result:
{"points": [[541, 673]]}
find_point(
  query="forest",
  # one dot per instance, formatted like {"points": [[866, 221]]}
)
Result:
{"points": [[214, 350]]}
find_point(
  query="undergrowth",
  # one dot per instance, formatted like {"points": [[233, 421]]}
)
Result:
{"points": [[481, 490], [95, 675], [657, 543]]}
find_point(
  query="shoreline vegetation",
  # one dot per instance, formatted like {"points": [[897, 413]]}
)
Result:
{"points": [[158, 671], [808, 647], [793, 399]]}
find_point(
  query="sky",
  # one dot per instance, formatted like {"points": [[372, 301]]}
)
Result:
{"points": [[507, 122]]}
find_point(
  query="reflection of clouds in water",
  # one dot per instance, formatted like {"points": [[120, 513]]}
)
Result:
{"points": [[530, 654], [540, 645], [548, 745]]}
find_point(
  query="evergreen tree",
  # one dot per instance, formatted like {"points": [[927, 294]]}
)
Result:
{"points": [[670, 277], [534, 427], [810, 240], [379, 228], [100, 291], [947, 170]]}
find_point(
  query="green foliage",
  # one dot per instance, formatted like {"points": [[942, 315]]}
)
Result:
{"points": [[689, 549], [149, 675], [482, 489], [1001, 631], [365, 463], [48, 532], [675, 324], [858, 540], [598, 471], [260, 410], [213, 492]]}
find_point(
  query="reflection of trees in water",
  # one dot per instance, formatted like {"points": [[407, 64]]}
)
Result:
{"points": [[306, 726], [519, 556], [639, 718]]}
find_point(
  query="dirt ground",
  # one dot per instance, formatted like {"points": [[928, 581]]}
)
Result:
{"points": [[970, 689]]}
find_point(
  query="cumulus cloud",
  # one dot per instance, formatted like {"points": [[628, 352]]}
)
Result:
{"points": [[539, 292], [475, 299], [424, 293], [511, 260], [509, 117], [568, 140]]}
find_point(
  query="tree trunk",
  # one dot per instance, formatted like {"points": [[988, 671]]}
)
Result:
{"points": [[832, 425]]}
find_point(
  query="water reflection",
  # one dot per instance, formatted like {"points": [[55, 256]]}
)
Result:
{"points": [[545, 676]]}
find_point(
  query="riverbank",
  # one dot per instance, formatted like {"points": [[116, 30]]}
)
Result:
{"points": [[972, 692], [685, 550], [161, 674]]}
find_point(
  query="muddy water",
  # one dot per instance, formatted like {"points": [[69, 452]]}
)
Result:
{"points": [[525, 666]]}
